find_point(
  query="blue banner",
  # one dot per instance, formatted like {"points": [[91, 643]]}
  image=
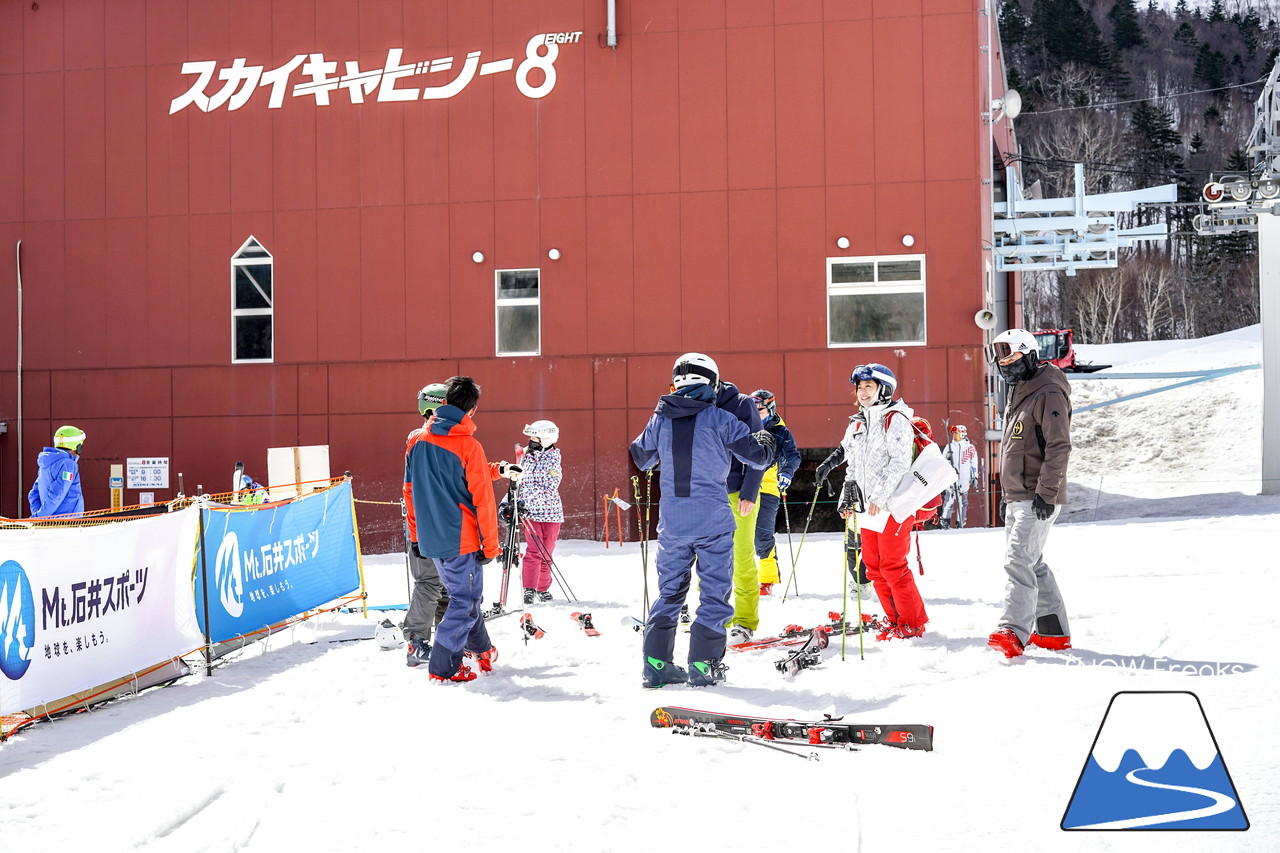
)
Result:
{"points": [[270, 563]]}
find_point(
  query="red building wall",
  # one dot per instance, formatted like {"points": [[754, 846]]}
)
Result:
{"points": [[694, 179]]}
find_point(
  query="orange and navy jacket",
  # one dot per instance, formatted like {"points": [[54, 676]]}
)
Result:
{"points": [[448, 488]]}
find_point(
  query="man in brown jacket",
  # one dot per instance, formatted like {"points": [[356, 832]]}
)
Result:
{"points": [[1033, 474]]}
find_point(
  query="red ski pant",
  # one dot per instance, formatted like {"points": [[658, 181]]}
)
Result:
{"points": [[535, 570], [885, 556]]}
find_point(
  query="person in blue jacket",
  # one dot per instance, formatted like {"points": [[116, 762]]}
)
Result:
{"points": [[692, 442], [57, 489], [744, 502]]}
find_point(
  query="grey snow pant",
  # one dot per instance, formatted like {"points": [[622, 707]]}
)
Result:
{"points": [[1032, 601], [428, 599]]}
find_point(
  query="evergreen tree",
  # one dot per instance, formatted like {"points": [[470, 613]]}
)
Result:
{"points": [[1186, 35], [1211, 67], [1126, 32], [1013, 23], [1180, 10], [1068, 34], [1155, 142], [1216, 13]]}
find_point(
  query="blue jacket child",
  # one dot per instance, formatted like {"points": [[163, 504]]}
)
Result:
{"points": [[693, 444], [57, 487]]}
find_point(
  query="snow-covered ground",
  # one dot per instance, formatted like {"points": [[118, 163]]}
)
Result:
{"points": [[315, 743]]}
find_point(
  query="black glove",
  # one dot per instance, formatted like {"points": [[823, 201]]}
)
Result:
{"points": [[850, 498], [413, 546], [1000, 510], [483, 560], [1043, 508], [823, 472], [510, 470], [765, 438]]}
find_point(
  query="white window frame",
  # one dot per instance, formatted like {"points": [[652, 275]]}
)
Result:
{"points": [[499, 302], [878, 288], [239, 260]]}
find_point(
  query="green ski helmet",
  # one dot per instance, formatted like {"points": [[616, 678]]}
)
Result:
{"points": [[69, 438], [431, 398]]}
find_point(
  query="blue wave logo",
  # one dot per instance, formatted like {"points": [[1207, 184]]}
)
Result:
{"points": [[228, 576], [1155, 765], [17, 620]]}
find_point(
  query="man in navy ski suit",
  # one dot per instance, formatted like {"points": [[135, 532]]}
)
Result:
{"points": [[693, 442], [57, 487]]}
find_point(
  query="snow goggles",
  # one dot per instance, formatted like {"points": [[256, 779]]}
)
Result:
{"points": [[998, 351]]}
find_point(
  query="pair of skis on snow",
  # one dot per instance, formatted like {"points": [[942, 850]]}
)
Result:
{"points": [[533, 632], [828, 733]]}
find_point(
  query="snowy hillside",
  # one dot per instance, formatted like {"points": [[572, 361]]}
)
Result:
{"points": [[316, 743]]}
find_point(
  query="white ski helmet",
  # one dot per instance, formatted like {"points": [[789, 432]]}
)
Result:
{"points": [[545, 431], [1011, 341], [388, 635], [694, 368], [879, 374]]}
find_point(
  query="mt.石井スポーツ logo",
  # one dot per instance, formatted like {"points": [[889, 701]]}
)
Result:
{"points": [[229, 577], [17, 620]]}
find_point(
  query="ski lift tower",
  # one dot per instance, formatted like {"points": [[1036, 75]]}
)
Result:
{"points": [[1251, 203]]}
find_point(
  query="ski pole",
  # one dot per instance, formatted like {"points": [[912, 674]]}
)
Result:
{"points": [[644, 554], [408, 552], [857, 573], [786, 517], [532, 538], [809, 518]]}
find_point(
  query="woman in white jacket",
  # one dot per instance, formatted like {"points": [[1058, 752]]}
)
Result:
{"points": [[877, 448]]}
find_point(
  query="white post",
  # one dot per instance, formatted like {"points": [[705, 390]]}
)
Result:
{"points": [[1269, 295]]}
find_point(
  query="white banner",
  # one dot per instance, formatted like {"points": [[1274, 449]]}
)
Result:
{"points": [[83, 606]]}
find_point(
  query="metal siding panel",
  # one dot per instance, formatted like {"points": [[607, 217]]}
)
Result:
{"points": [[656, 317], [166, 34], [610, 231], [428, 274], [899, 211], [515, 146], [382, 154], [209, 281], [125, 33], [338, 156], [313, 391], [852, 213], [84, 120], [12, 19], [952, 222], [125, 130], [293, 28], [814, 11], [84, 46], [471, 230], [850, 144], [562, 124], [338, 305], [167, 296], [232, 391], [43, 146], [801, 157], [565, 293], [609, 133], [702, 15], [209, 161], [426, 161], [12, 192], [749, 13], [381, 23], [251, 169], [899, 116], [109, 395], [392, 387], [646, 19], [293, 275], [704, 270], [382, 321], [655, 147], [802, 240], [951, 138], [45, 301], [751, 150], [703, 129], [252, 34], [752, 271], [42, 37], [86, 328], [471, 144], [168, 154], [516, 235], [208, 37], [293, 160]]}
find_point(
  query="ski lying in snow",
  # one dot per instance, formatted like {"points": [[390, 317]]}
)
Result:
{"points": [[798, 635], [584, 622], [810, 654], [530, 629], [633, 623], [829, 731]]}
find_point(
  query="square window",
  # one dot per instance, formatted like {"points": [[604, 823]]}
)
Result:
{"points": [[876, 301]]}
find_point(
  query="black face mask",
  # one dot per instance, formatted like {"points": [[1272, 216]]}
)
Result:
{"points": [[1019, 370], [534, 444]]}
